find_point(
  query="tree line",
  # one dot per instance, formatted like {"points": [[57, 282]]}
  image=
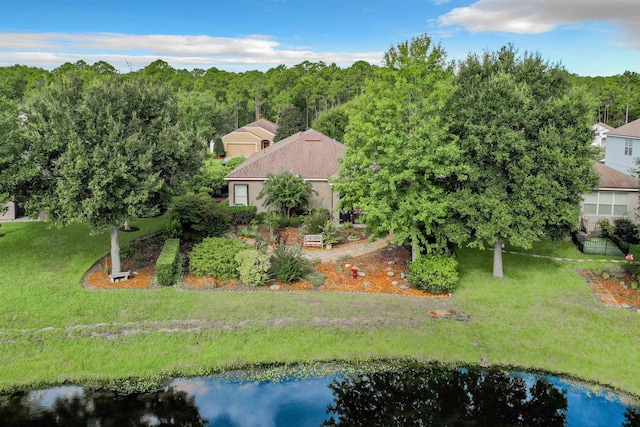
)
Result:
{"points": [[492, 150], [215, 102]]}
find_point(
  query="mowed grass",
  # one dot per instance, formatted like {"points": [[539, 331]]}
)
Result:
{"points": [[541, 316]]}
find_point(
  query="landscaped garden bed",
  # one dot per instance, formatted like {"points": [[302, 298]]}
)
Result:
{"points": [[379, 272], [615, 285]]}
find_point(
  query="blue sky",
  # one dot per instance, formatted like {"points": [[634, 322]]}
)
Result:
{"points": [[589, 37]]}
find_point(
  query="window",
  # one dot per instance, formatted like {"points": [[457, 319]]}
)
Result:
{"points": [[628, 147], [241, 195], [606, 204]]}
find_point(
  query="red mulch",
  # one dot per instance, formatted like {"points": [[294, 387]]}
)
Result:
{"points": [[622, 293], [376, 267]]}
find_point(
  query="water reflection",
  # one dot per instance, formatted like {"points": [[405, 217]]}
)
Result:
{"points": [[411, 395]]}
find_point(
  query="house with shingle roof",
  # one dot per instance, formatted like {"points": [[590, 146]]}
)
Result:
{"points": [[310, 154], [249, 139], [623, 147], [616, 196]]}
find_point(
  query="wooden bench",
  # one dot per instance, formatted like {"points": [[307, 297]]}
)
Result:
{"points": [[313, 240], [123, 275]]}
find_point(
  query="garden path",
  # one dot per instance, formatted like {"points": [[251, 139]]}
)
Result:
{"points": [[347, 250]]}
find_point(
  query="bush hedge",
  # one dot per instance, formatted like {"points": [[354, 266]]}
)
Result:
{"points": [[626, 230], [168, 263], [240, 215], [193, 218], [216, 257], [436, 274]]}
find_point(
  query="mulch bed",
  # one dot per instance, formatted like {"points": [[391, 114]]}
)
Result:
{"points": [[618, 287], [382, 271]]}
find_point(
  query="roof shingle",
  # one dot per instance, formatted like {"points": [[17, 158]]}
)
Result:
{"points": [[631, 129], [611, 178], [310, 154]]}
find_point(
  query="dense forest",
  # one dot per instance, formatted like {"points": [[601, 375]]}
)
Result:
{"points": [[213, 102]]}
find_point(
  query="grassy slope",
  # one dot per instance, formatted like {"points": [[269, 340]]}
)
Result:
{"points": [[542, 316]]}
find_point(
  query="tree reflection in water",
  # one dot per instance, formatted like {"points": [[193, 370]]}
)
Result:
{"points": [[437, 396], [103, 408]]}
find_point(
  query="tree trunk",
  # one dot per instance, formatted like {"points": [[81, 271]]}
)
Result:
{"points": [[126, 225], [497, 259], [115, 251], [414, 249]]}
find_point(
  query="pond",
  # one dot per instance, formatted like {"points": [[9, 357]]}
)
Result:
{"points": [[408, 395]]}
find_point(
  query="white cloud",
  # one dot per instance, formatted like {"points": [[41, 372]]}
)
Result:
{"points": [[121, 50], [540, 16]]}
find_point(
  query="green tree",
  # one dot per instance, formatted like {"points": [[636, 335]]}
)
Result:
{"points": [[291, 121], [103, 153], [333, 122], [399, 158], [525, 135], [218, 147], [286, 190]]}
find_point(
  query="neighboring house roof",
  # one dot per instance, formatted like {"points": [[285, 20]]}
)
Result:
{"points": [[603, 125], [310, 154], [631, 129], [262, 123], [611, 178]]}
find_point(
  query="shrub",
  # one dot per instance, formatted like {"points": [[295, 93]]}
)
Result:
{"points": [[626, 230], [605, 227], [272, 220], [295, 221], [239, 215], [330, 233], [234, 163], [193, 218], [205, 190], [211, 175], [314, 222], [436, 274], [216, 257], [253, 267], [168, 264], [287, 263]]}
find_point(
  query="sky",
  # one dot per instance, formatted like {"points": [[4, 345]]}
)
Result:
{"points": [[587, 37]]}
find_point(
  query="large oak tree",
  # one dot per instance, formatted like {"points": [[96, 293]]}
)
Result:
{"points": [[102, 153], [524, 133]]}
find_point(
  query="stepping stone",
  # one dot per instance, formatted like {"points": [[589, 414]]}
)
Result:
{"points": [[361, 273], [347, 265], [274, 287], [391, 262], [394, 283], [404, 287], [367, 283], [390, 273]]}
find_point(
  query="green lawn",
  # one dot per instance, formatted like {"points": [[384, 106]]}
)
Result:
{"points": [[542, 316]]}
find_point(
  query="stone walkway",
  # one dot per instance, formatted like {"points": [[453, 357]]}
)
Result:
{"points": [[344, 251], [616, 261]]}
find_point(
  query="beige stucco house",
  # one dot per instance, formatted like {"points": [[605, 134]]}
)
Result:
{"points": [[310, 154], [615, 197], [249, 139]]}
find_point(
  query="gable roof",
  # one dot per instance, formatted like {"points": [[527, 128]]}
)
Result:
{"points": [[631, 129], [264, 124], [602, 125], [310, 154], [611, 178]]}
